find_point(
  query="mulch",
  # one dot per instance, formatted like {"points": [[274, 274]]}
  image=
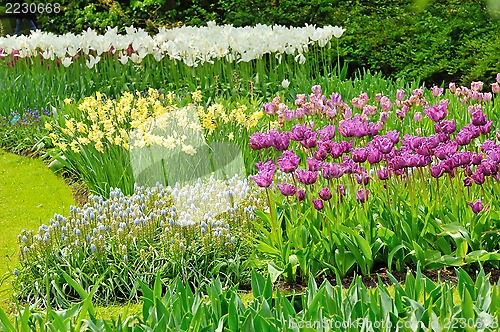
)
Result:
{"points": [[371, 281]]}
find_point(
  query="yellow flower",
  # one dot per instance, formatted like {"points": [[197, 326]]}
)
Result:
{"points": [[230, 136], [197, 96], [99, 146], [82, 127], [74, 146], [170, 97], [240, 117], [253, 119], [209, 124], [63, 146], [68, 101], [83, 140], [48, 126], [54, 138], [70, 125]]}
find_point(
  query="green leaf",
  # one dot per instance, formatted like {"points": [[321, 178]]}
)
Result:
{"points": [[6, 322], [467, 306], [274, 272], [391, 255], [79, 289]]}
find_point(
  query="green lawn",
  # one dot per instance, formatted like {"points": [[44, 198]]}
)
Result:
{"points": [[30, 194]]}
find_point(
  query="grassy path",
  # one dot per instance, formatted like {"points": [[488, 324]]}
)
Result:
{"points": [[30, 194]]}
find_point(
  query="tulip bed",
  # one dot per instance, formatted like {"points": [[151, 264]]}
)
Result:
{"points": [[211, 166]]}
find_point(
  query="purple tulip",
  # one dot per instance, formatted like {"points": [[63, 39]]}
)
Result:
{"points": [[393, 136], [433, 141], [478, 118], [346, 146], [486, 128], [477, 206], [307, 177], [383, 173], [279, 141], [263, 179], [478, 177], [488, 167], [267, 167], [437, 170], [336, 150], [398, 162], [327, 133], [452, 87], [362, 195], [259, 141], [269, 108], [325, 194], [287, 189], [318, 204], [437, 112], [383, 143], [332, 171], [336, 98], [359, 155], [316, 89], [300, 99], [341, 190], [310, 142], [348, 165], [385, 103], [384, 116], [288, 162], [400, 95], [473, 130], [445, 150], [468, 182], [463, 137], [300, 132], [374, 156], [313, 164], [489, 145], [462, 158], [363, 178], [436, 91], [446, 126], [301, 194], [320, 154], [476, 158], [369, 110]]}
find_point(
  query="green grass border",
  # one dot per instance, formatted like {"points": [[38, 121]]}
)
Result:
{"points": [[30, 194]]}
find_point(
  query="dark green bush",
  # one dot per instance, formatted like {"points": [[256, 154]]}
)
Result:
{"points": [[425, 40]]}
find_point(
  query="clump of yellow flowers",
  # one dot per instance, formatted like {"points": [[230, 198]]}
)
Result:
{"points": [[142, 119], [216, 117]]}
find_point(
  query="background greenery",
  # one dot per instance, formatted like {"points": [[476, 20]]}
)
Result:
{"points": [[427, 40]]}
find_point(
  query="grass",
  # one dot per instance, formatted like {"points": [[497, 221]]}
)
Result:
{"points": [[30, 194]]}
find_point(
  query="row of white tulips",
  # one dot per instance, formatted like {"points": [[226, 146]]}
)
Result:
{"points": [[192, 45]]}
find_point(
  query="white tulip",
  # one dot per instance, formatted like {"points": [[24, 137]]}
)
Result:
{"points": [[337, 31], [66, 62]]}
